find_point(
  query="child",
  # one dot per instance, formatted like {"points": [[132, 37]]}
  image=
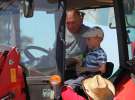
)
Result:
{"points": [[95, 60]]}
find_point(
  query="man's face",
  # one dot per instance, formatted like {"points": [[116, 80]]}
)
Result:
{"points": [[73, 21]]}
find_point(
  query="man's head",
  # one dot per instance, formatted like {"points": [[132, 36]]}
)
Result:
{"points": [[73, 20], [93, 37]]}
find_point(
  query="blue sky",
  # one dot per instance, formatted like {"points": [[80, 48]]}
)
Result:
{"points": [[40, 27]]}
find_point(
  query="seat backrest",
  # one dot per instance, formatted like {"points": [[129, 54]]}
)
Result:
{"points": [[109, 69]]}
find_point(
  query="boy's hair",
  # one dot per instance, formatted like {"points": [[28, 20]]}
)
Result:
{"points": [[95, 31], [99, 28]]}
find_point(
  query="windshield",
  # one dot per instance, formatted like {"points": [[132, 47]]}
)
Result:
{"points": [[38, 40], [35, 37]]}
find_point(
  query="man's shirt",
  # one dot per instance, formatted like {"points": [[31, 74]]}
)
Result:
{"points": [[75, 43]]}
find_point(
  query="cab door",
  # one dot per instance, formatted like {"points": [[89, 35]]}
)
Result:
{"points": [[38, 52]]}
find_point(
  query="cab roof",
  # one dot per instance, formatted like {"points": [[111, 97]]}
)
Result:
{"points": [[81, 4]]}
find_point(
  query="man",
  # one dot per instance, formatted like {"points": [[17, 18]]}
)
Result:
{"points": [[75, 44]]}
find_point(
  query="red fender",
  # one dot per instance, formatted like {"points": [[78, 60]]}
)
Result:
{"points": [[11, 76], [69, 94]]}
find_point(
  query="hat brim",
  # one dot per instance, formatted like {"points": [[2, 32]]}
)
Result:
{"points": [[88, 90], [93, 32]]}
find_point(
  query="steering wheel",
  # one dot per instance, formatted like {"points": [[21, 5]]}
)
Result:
{"points": [[30, 56]]}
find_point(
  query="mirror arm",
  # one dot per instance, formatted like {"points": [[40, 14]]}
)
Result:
{"points": [[111, 27]]}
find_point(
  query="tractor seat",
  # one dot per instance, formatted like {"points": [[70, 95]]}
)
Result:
{"points": [[109, 69], [107, 74]]}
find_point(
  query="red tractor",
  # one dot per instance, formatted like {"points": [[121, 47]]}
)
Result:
{"points": [[26, 69]]}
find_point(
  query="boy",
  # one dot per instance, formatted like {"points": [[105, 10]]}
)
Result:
{"points": [[95, 60]]}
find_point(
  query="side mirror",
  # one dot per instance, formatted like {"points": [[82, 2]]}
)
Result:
{"points": [[28, 8]]}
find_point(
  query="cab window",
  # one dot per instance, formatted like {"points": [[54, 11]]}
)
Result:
{"points": [[38, 37], [105, 19]]}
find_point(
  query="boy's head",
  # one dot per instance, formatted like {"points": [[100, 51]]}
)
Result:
{"points": [[93, 37]]}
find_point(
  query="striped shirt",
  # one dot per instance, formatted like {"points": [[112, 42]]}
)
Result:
{"points": [[94, 59]]}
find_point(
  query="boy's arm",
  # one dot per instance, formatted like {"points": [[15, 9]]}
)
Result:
{"points": [[81, 69], [102, 68]]}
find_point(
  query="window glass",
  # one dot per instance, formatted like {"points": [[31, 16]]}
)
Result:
{"points": [[38, 37], [5, 30], [9, 15], [105, 19]]}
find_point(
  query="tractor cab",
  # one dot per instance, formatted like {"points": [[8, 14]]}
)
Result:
{"points": [[115, 17], [37, 28]]}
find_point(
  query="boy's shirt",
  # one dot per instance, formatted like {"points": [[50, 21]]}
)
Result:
{"points": [[94, 59]]}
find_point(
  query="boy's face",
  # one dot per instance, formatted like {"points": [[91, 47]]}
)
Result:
{"points": [[93, 42]]}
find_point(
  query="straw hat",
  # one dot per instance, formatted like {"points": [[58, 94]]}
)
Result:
{"points": [[99, 88]]}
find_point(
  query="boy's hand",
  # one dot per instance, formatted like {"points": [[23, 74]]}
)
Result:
{"points": [[80, 69], [102, 68]]}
